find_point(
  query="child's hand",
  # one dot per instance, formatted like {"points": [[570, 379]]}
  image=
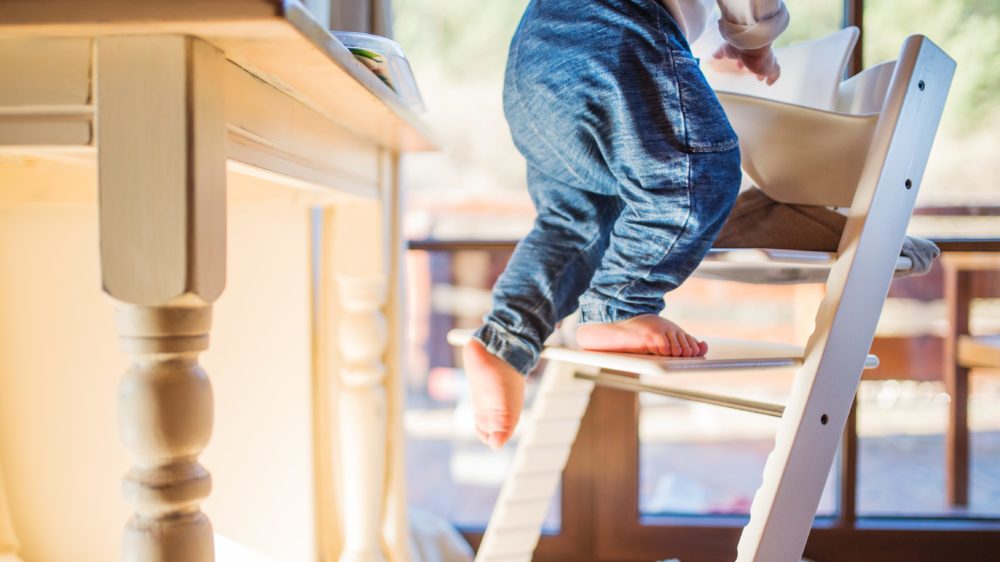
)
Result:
{"points": [[758, 61]]}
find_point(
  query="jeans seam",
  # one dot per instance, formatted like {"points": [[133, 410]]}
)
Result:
{"points": [[680, 100], [684, 228], [508, 337], [548, 288]]}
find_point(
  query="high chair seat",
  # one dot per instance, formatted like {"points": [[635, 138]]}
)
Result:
{"points": [[796, 154]]}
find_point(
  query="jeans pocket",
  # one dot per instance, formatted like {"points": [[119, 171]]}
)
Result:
{"points": [[706, 127]]}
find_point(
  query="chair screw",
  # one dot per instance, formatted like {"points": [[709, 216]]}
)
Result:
{"points": [[823, 419], [908, 184], [920, 85]]}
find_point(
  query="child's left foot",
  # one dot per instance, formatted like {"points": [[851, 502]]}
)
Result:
{"points": [[497, 393], [647, 333]]}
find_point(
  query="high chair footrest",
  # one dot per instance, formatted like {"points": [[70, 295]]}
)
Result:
{"points": [[724, 354]]}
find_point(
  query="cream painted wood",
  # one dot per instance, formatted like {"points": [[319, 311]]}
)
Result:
{"points": [[49, 102], [542, 451], [161, 166], [279, 42], [165, 408], [357, 253], [353, 376], [270, 132], [395, 524], [8, 540], [292, 108], [361, 423], [807, 439], [360, 373]]}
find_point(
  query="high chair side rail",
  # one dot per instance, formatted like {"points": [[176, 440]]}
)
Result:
{"points": [[814, 418]]}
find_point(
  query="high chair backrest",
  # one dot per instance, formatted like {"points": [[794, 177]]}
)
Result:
{"points": [[810, 72], [805, 139], [865, 93]]}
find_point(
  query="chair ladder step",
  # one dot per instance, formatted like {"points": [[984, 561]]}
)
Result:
{"points": [[541, 455], [633, 385]]}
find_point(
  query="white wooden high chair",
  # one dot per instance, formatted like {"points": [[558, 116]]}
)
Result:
{"points": [[861, 143]]}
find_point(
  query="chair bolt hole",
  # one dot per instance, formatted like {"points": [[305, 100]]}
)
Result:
{"points": [[908, 184], [823, 419], [920, 85]]}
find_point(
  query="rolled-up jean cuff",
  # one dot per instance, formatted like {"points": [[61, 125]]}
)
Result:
{"points": [[508, 347], [596, 312]]}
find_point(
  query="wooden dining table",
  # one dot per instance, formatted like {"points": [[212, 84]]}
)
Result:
{"points": [[164, 103]]}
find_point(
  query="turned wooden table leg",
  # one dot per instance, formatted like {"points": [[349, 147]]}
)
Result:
{"points": [[161, 167], [361, 423], [355, 291], [165, 413], [361, 322]]}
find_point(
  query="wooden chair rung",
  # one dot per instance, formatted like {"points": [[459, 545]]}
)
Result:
{"points": [[630, 384]]}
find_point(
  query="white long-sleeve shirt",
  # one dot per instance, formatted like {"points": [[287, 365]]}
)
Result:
{"points": [[746, 24]]}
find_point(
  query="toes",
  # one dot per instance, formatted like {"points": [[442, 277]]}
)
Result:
{"points": [[703, 348], [482, 435], [693, 343], [482, 428], [686, 349], [675, 346], [657, 344], [501, 427]]}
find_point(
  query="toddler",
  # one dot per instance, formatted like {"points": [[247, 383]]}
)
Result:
{"points": [[632, 168]]}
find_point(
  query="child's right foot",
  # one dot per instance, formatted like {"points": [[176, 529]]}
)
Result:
{"points": [[647, 333]]}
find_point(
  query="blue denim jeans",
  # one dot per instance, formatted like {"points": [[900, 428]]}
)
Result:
{"points": [[632, 168]]}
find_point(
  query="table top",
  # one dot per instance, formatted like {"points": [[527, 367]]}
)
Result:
{"points": [[275, 40]]}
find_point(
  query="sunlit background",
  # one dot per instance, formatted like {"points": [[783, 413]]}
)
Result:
{"points": [[696, 459]]}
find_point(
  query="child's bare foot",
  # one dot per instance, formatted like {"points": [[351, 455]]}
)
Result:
{"points": [[647, 333], [497, 394]]}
